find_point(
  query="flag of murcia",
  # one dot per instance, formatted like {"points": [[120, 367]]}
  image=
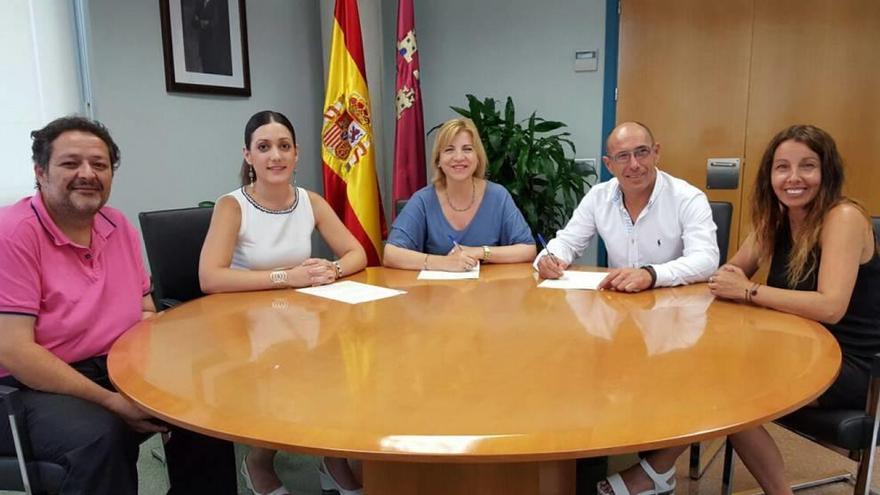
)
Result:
{"points": [[409, 131]]}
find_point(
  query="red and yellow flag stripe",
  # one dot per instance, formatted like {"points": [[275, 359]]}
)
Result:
{"points": [[347, 143]]}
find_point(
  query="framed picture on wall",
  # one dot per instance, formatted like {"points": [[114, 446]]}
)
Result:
{"points": [[205, 46]]}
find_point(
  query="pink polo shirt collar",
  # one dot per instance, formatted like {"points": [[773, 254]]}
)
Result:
{"points": [[101, 225]]}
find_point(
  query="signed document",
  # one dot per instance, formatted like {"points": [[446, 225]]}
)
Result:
{"points": [[571, 279], [471, 274]]}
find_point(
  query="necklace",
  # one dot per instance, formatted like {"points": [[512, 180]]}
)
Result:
{"points": [[473, 198], [262, 208]]}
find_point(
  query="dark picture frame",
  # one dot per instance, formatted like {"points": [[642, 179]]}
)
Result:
{"points": [[205, 46]]}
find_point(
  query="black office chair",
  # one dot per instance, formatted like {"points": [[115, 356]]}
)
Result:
{"points": [[722, 213], [18, 470], [852, 430], [398, 206], [173, 239]]}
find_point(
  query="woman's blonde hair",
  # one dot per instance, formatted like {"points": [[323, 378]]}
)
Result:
{"points": [[769, 214], [445, 135]]}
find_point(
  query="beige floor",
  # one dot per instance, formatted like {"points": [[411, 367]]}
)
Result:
{"points": [[804, 460]]}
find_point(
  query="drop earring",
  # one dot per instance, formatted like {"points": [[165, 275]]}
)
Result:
{"points": [[252, 175]]}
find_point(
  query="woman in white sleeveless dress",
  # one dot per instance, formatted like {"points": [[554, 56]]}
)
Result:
{"points": [[260, 238]]}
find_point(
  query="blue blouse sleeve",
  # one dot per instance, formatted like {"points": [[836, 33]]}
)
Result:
{"points": [[514, 229], [409, 230]]}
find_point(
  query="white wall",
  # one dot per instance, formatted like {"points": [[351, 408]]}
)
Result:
{"points": [[179, 149], [518, 48], [40, 83]]}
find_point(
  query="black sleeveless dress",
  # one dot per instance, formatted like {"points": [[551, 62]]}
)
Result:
{"points": [[858, 332]]}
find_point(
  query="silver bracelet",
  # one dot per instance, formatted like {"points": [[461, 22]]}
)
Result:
{"points": [[338, 269], [278, 277]]}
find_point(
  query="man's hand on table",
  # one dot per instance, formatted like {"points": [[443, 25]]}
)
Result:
{"points": [[134, 416], [627, 280]]}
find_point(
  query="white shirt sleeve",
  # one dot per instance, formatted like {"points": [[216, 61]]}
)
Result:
{"points": [[699, 258], [571, 241]]}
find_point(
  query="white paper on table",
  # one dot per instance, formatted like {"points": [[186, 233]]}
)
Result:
{"points": [[473, 273], [351, 292], [572, 279]]}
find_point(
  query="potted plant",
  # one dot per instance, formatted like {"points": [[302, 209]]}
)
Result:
{"points": [[528, 158]]}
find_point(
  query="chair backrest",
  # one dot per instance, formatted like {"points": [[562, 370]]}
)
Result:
{"points": [[398, 206], [173, 239], [722, 213]]}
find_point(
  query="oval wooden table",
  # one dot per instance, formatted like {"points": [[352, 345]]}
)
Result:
{"points": [[489, 385]]}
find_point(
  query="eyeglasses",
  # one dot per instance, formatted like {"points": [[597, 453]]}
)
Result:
{"points": [[640, 153]]}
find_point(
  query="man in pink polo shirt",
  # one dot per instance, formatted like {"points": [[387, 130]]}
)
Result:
{"points": [[73, 281]]}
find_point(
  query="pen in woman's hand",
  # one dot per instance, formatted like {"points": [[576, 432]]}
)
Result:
{"points": [[455, 244]]}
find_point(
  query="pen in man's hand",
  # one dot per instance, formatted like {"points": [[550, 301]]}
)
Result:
{"points": [[544, 245]]}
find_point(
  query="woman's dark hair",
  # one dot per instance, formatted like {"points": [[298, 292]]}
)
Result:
{"points": [[768, 213], [41, 149], [256, 121]]}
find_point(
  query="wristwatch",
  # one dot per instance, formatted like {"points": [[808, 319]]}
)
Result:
{"points": [[487, 253], [652, 272]]}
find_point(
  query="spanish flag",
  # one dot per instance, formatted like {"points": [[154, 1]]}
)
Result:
{"points": [[347, 145]]}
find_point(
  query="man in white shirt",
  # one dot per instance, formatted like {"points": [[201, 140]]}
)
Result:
{"points": [[658, 230]]}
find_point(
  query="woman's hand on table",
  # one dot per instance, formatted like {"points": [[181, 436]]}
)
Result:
{"points": [[471, 251], [729, 282], [319, 271], [458, 260]]}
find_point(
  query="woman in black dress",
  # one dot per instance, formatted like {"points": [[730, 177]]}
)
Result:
{"points": [[824, 265]]}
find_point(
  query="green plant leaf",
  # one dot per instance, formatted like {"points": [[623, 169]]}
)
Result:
{"points": [[460, 111], [547, 126], [492, 141], [476, 110], [531, 127], [489, 106]]}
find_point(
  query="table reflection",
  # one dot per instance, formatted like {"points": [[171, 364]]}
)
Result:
{"points": [[668, 319]]}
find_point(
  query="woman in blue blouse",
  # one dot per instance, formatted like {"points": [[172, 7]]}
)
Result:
{"points": [[460, 205]]}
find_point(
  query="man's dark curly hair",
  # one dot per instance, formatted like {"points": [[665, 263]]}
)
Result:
{"points": [[43, 138]]}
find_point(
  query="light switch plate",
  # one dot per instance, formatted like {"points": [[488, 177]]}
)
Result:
{"points": [[586, 60]]}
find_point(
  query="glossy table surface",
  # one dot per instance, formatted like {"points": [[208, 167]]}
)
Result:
{"points": [[488, 370]]}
